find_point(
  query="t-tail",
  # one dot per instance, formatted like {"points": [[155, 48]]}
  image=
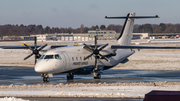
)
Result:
{"points": [[125, 35]]}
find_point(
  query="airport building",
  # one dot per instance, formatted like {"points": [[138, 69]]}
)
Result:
{"points": [[102, 35], [140, 36], [164, 35], [13, 37], [1, 38]]}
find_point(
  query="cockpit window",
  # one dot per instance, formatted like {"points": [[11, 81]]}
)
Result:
{"points": [[49, 57], [57, 56], [42, 57]]}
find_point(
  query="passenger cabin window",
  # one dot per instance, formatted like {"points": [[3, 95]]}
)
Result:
{"points": [[49, 57], [57, 56]]}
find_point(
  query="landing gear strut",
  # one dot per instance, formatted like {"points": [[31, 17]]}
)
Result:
{"points": [[70, 76], [45, 77]]}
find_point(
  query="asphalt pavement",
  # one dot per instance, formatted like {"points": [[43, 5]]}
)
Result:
{"points": [[27, 75]]}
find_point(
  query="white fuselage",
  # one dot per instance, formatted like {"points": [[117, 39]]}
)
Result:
{"points": [[72, 58]]}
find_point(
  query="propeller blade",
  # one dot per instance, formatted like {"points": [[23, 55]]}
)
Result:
{"points": [[88, 56], [28, 46], [95, 42], [96, 64], [35, 58], [88, 48], [35, 51], [28, 56], [101, 48], [35, 42], [104, 57], [42, 47]]}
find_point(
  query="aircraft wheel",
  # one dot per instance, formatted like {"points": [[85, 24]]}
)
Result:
{"points": [[98, 76], [46, 79], [70, 76]]}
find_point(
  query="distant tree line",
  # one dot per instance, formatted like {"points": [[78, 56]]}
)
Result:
{"points": [[22, 30]]}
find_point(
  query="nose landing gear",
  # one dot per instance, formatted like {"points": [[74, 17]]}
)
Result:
{"points": [[45, 77]]}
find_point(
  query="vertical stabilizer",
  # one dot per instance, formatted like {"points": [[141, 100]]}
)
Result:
{"points": [[125, 36], [126, 33]]}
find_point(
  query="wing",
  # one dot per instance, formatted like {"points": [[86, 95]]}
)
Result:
{"points": [[17, 47], [56, 46], [24, 47], [141, 47]]}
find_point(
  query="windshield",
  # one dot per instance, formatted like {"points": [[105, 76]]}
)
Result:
{"points": [[49, 57], [42, 57], [57, 56]]}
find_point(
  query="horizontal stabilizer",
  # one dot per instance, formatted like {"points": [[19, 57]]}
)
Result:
{"points": [[136, 17]]}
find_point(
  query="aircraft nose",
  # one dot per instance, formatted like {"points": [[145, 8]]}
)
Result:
{"points": [[38, 68], [44, 67]]}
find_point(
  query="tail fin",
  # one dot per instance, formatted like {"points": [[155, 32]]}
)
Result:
{"points": [[125, 36]]}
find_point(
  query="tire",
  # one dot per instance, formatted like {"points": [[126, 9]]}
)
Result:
{"points": [[46, 79], [70, 76], [98, 76]]}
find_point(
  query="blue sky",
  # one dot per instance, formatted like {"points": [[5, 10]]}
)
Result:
{"points": [[73, 13]]}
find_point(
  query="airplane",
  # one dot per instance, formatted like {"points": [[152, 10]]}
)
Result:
{"points": [[85, 59]]}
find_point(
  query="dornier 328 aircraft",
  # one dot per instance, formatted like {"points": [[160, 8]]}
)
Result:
{"points": [[86, 59]]}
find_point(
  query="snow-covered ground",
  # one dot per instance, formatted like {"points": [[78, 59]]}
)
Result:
{"points": [[12, 99], [121, 90]]}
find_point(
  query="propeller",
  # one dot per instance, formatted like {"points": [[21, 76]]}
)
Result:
{"points": [[35, 51], [96, 52]]}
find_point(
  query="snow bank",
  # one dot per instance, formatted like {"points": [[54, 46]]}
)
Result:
{"points": [[60, 85], [12, 99], [121, 90]]}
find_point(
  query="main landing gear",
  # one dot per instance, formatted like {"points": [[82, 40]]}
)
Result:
{"points": [[45, 77], [70, 76], [97, 75]]}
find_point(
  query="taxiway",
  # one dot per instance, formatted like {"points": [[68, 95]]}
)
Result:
{"points": [[27, 75]]}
